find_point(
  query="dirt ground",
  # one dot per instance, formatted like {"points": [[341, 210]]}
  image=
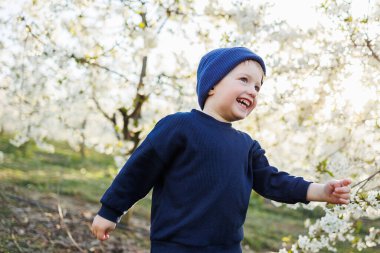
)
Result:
{"points": [[35, 222]]}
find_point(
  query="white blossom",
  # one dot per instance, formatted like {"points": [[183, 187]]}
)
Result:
{"points": [[19, 140]]}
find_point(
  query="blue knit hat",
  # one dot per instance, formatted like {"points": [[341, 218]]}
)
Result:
{"points": [[216, 64]]}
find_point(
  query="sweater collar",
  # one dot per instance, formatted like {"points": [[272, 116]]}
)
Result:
{"points": [[210, 119]]}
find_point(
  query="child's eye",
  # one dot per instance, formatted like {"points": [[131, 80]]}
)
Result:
{"points": [[244, 79]]}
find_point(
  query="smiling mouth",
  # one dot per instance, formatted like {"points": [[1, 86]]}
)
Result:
{"points": [[245, 102]]}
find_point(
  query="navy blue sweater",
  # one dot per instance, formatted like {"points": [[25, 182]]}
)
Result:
{"points": [[202, 172]]}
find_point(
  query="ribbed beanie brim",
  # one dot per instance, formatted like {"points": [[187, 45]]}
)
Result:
{"points": [[216, 64]]}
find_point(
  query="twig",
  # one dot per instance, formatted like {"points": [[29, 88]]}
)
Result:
{"points": [[16, 243], [111, 119], [83, 60], [63, 224], [365, 181], [369, 46], [80, 60]]}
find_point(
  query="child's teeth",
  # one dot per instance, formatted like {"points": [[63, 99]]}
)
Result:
{"points": [[243, 102]]}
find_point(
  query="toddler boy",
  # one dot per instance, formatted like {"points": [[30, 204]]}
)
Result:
{"points": [[202, 170]]}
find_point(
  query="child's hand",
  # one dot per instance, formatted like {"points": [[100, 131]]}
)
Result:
{"points": [[337, 191], [102, 227]]}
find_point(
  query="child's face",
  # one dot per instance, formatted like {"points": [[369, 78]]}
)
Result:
{"points": [[235, 96]]}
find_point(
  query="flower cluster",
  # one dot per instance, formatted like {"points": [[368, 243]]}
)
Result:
{"points": [[340, 224]]}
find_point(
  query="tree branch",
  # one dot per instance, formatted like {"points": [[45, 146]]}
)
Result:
{"points": [[111, 119], [83, 60], [63, 224], [139, 99], [365, 180], [369, 46], [135, 115]]}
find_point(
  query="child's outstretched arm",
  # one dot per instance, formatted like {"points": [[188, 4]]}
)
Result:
{"points": [[334, 192], [140, 173], [101, 227]]}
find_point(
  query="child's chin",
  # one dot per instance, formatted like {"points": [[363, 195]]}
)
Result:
{"points": [[240, 113], [240, 117], [243, 114]]}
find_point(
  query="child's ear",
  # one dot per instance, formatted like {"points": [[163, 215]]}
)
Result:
{"points": [[211, 91]]}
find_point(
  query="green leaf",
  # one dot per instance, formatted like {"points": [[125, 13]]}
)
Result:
{"points": [[358, 226], [348, 19], [322, 168]]}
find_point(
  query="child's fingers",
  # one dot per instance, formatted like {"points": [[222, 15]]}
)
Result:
{"points": [[342, 196], [346, 182], [344, 201], [101, 228], [106, 234], [100, 235], [93, 231], [341, 183], [336, 183], [344, 189]]}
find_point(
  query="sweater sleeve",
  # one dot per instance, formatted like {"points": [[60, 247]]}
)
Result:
{"points": [[273, 184], [142, 170]]}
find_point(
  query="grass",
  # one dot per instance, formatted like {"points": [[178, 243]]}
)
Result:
{"points": [[65, 172]]}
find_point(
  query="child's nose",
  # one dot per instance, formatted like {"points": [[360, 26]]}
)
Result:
{"points": [[252, 91]]}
